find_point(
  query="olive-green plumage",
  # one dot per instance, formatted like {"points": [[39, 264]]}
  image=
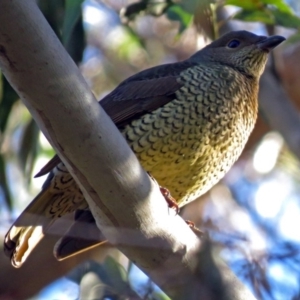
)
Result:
{"points": [[187, 123], [191, 142]]}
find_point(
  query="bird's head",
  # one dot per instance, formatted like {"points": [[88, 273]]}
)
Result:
{"points": [[242, 50]]}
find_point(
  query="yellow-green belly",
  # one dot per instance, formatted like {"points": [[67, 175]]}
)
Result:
{"points": [[183, 151], [190, 143]]}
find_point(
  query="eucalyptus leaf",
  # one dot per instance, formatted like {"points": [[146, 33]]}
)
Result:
{"points": [[116, 273], [9, 97], [76, 42], [177, 13], [72, 15], [4, 183], [160, 296], [190, 6], [245, 4], [92, 287], [54, 13], [286, 19], [293, 39], [263, 16], [279, 4], [28, 148]]}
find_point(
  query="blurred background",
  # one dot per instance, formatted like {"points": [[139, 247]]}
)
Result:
{"points": [[252, 216]]}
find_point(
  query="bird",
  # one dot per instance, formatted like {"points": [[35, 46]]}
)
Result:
{"points": [[187, 123]]}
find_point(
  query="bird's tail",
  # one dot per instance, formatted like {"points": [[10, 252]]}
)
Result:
{"points": [[29, 228], [36, 220], [83, 235]]}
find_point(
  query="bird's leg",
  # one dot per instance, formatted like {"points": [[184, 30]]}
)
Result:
{"points": [[172, 204], [170, 200], [167, 195]]}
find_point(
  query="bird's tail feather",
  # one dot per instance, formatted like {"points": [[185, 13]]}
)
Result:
{"points": [[83, 235], [29, 228]]}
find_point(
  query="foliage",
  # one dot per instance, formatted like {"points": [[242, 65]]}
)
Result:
{"points": [[271, 12]]}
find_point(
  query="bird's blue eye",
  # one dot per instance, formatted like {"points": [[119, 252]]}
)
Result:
{"points": [[233, 44]]}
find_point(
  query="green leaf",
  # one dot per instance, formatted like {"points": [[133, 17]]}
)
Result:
{"points": [[293, 39], [65, 18], [190, 6], [279, 4], [29, 148], [3, 182], [54, 13], [160, 296], [263, 16], [116, 273], [176, 13], [129, 43], [92, 287], [260, 5], [9, 97], [72, 15], [76, 43], [1, 86], [286, 19], [245, 4]]}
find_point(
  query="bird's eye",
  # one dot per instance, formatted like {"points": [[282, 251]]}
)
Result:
{"points": [[233, 44]]}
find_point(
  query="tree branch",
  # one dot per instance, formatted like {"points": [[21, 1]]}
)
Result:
{"points": [[280, 113], [127, 205]]}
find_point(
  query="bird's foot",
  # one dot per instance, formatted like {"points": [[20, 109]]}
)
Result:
{"points": [[170, 200], [167, 195], [196, 230]]}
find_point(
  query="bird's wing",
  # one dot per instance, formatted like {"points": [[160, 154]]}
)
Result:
{"points": [[136, 98], [139, 94]]}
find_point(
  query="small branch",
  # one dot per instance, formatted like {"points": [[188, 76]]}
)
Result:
{"points": [[279, 111], [128, 207]]}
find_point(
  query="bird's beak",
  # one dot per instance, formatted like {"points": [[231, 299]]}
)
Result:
{"points": [[271, 42]]}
